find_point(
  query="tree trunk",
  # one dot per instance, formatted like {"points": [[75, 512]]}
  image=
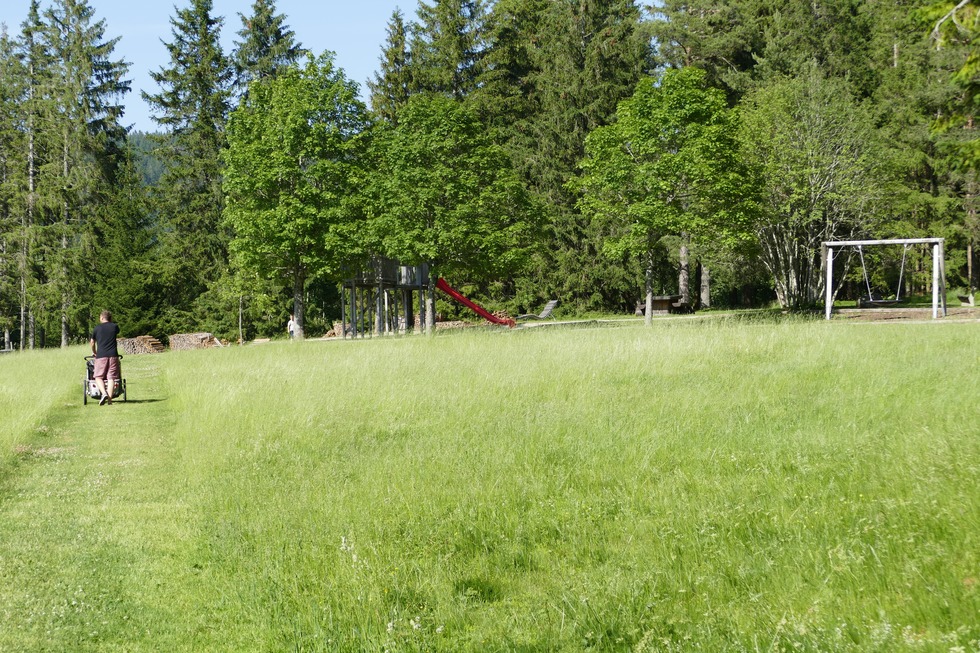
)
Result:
{"points": [[648, 287], [23, 311], [299, 283], [705, 287], [64, 322], [65, 273], [969, 266], [27, 223], [972, 227], [684, 279], [430, 308]]}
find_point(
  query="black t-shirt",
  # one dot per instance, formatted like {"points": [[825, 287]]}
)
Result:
{"points": [[104, 336]]}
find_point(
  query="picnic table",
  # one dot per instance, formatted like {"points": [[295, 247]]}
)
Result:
{"points": [[663, 304]]}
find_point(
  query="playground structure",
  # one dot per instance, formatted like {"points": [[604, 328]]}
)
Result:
{"points": [[382, 300], [938, 271]]}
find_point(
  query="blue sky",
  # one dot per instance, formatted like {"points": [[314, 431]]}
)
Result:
{"points": [[354, 29]]}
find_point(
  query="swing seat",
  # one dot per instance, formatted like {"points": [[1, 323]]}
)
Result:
{"points": [[878, 303]]}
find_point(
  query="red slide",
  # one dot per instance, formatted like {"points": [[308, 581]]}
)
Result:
{"points": [[479, 310]]}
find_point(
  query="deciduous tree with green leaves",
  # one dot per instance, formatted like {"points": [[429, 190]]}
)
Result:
{"points": [[294, 171], [956, 29], [820, 163], [669, 165], [446, 195]]}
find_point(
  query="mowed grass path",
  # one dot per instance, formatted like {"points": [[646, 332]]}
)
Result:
{"points": [[700, 486]]}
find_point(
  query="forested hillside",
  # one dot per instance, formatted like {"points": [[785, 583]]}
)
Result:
{"points": [[591, 151]]}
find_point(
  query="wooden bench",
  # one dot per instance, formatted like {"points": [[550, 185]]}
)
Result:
{"points": [[680, 307]]}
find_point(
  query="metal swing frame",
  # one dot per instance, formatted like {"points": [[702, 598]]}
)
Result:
{"points": [[938, 267]]}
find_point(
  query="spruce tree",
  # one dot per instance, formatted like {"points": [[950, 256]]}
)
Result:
{"points": [[936, 160], [86, 135], [12, 78], [740, 41], [589, 56], [392, 84], [506, 96], [447, 47], [34, 110], [192, 105], [121, 245], [721, 38], [267, 47]]}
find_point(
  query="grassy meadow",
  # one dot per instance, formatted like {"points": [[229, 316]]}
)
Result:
{"points": [[696, 486]]}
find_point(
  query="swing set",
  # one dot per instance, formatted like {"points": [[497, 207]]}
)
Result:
{"points": [[938, 271]]}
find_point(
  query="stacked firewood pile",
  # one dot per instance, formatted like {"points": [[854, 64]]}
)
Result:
{"points": [[453, 324], [184, 341], [501, 315], [140, 345]]}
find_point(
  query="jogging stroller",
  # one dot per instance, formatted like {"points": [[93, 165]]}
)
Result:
{"points": [[91, 389]]}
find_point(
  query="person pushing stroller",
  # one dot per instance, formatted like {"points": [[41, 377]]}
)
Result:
{"points": [[107, 369]]}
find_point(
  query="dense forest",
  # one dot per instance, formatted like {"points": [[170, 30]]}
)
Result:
{"points": [[593, 151]]}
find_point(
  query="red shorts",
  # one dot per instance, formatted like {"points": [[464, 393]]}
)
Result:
{"points": [[107, 368]]}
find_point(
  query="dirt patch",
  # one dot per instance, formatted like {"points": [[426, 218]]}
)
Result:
{"points": [[965, 313], [28, 451]]}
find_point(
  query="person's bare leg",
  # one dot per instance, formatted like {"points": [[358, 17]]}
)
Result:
{"points": [[100, 384], [112, 387]]}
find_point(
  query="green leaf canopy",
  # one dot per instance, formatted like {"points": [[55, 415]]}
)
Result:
{"points": [[669, 165], [446, 195], [295, 149]]}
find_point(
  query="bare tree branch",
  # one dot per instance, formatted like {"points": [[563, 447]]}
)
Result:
{"points": [[937, 30]]}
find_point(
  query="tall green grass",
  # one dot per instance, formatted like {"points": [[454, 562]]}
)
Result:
{"points": [[795, 486], [802, 484], [32, 384]]}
